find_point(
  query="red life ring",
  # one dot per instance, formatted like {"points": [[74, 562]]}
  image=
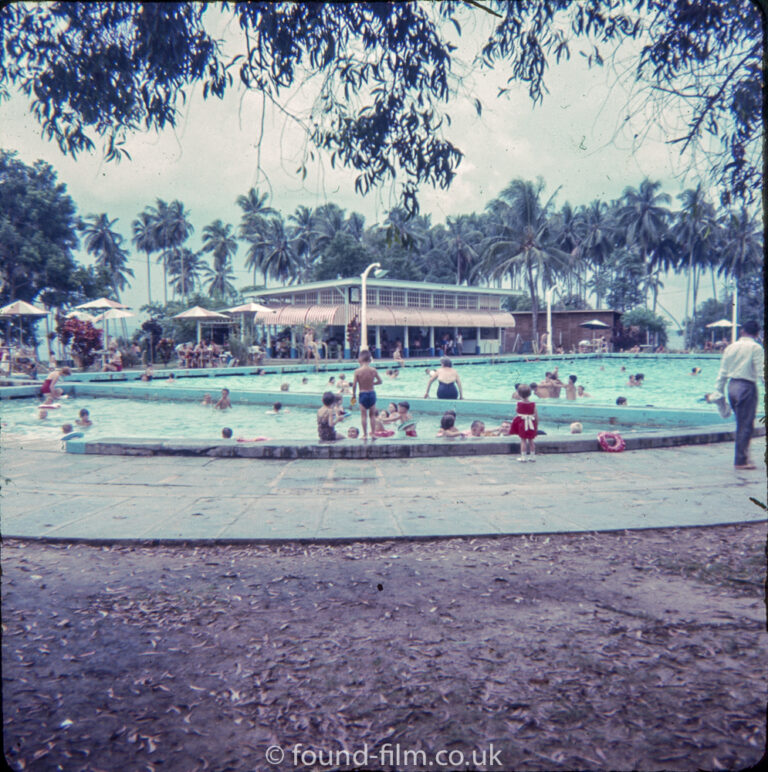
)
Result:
{"points": [[613, 442]]}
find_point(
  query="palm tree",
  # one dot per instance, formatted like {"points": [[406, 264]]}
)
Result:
{"points": [[463, 238], [523, 240], [105, 245], [643, 219], [219, 241], [597, 244], [220, 280], [185, 267], [171, 228], [694, 230], [252, 224], [144, 241], [741, 252], [278, 257], [302, 234], [569, 230]]}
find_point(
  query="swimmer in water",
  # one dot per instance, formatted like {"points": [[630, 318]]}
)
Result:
{"points": [[223, 403], [85, 418]]}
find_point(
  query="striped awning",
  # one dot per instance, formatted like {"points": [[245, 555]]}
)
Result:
{"points": [[287, 316]]}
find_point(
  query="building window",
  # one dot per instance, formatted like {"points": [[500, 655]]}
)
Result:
{"points": [[370, 296], [425, 300], [438, 300], [450, 301], [299, 298], [413, 299], [311, 298], [461, 301], [471, 302], [398, 298], [328, 297], [385, 297]]}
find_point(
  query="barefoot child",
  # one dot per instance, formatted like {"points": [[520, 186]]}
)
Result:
{"points": [[326, 419], [366, 378], [525, 424]]}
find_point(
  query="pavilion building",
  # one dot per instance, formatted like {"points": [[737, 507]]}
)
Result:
{"points": [[418, 314]]}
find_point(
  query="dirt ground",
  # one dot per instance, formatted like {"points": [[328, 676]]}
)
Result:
{"points": [[631, 650]]}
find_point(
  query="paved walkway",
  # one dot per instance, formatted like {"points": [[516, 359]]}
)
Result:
{"points": [[50, 494]]}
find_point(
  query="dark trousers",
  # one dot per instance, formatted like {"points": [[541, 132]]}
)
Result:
{"points": [[743, 398]]}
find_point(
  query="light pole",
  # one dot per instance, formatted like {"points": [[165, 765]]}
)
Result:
{"points": [[364, 302], [548, 294], [735, 315]]}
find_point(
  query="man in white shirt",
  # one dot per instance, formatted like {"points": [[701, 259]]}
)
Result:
{"points": [[741, 367]]}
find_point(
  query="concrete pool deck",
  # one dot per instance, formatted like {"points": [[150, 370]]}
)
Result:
{"points": [[52, 495]]}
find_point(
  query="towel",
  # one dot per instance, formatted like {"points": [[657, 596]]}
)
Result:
{"points": [[718, 399]]}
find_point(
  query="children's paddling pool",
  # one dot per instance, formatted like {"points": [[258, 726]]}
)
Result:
{"points": [[152, 418]]}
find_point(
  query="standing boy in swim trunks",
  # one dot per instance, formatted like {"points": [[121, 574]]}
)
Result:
{"points": [[366, 378]]}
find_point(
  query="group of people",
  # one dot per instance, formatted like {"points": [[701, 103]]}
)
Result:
{"points": [[551, 386]]}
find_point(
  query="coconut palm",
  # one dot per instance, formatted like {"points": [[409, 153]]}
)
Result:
{"points": [[523, 240], [463, 239], [596, 244], [144, 241], [741, 250], [695, 229], [184, 268], [220, 280], [171, 228], [219, 242], [252, 225], [105, 245], [644, 218], [277, 252]]}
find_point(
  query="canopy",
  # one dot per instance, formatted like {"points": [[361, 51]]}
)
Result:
{"points": [[83, 316], [722, 323], [200, 313], [114, 313], [101, 303], [595, 324], [22, 308], [251, 308]]}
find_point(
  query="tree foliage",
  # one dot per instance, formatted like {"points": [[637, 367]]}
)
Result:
{"points": [[386, 71], [37, 233]]}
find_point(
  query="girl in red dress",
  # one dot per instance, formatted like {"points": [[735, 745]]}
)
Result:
{"points": [[525, 424]]}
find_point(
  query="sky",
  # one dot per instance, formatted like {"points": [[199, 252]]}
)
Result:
{"points": [[587, 140]]}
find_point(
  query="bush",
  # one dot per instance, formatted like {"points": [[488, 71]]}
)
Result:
{"points": [[83, 338]]}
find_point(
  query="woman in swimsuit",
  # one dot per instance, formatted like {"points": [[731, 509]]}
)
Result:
{"points": [[448, 381]]}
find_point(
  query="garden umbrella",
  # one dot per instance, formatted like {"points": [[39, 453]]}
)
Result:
{"points": [[720, 323], [199, 313], [112, 313], [250, 308], [595, 324], [19, 308], [82, 316], [101, 303]]}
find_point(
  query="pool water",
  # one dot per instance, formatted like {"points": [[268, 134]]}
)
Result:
{"points": [[668, 381], [191, 420]]}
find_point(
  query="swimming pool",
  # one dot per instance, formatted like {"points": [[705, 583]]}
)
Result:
{"points": [[668, 381], [131, 418]]}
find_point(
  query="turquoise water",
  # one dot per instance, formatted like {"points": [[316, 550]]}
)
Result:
{"points": [[668, 382], [152, 418]]}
